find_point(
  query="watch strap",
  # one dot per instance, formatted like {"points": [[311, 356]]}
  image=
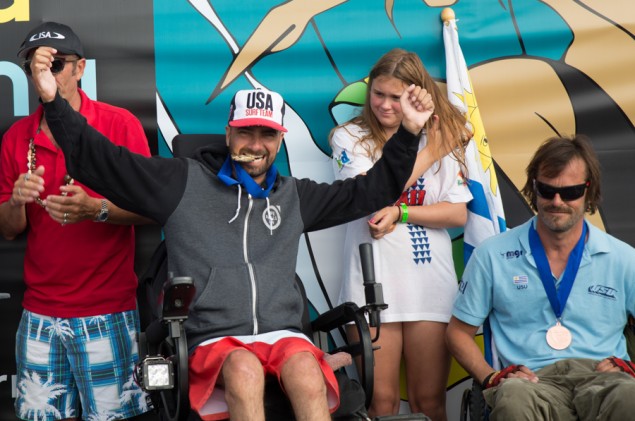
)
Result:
{"points": [[102, 216]]}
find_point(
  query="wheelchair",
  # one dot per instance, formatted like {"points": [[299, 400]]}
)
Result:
{"points": [[163, 370], [473, 405]]}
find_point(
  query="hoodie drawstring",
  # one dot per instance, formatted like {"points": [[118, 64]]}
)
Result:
{"points": [[269, 216], [238, 208], [269, 223]]}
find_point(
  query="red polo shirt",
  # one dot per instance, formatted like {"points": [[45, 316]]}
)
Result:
{"points": [[81, 269]]}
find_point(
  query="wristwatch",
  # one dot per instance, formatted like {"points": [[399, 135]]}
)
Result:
{"points": [[103, 212]]}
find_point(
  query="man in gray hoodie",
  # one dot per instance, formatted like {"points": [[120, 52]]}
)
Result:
{"points": [[233, 224]]}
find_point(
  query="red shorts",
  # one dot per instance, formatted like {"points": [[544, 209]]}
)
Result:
{"points": [[207, 360]]}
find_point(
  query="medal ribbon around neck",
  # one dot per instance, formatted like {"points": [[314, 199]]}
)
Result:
{"points": [[558, 299], [245, 180]]}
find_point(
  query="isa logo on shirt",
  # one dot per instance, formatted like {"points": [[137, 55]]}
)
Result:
{"points": [[520, 281], [342, 160], [460, 179]]}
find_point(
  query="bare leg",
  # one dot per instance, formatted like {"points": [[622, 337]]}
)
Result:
{"points": [[244, 380], [386, 389], [427, 367], [304, 384]]}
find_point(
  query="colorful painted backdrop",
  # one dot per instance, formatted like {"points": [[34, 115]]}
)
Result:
{"points": [[539, 68]]}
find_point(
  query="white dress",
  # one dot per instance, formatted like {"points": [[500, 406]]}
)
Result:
{"points": [[414, 263]]}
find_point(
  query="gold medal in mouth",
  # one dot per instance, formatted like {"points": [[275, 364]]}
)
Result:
{"points": [[245, 157]]}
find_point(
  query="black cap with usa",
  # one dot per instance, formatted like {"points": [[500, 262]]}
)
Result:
{"points": [[52, 34]]}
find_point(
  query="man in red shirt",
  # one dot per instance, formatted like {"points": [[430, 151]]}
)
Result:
{"points": [[77, 340]]}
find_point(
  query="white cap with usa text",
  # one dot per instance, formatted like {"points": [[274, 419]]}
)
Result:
{"points": [[257, 107]]}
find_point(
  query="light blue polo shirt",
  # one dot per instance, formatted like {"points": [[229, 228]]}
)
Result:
{"points": [[501, 280]]}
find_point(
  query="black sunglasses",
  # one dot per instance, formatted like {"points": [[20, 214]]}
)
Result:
{"points": [[56, 67], [567, 193]]}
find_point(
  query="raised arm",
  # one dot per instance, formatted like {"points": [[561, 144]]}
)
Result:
{"points": [[150, 187], [325, 205]]}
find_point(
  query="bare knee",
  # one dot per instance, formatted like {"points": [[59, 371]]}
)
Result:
{"points": [[244, 365], [244, 380], [432, 407], [385, 401], [302, 378], [242, 371], [303, 373], [429, 402]]}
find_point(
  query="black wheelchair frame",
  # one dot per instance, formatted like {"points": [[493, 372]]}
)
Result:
{"points": [[164, 339]]}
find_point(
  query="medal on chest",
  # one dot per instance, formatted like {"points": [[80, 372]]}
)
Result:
{"points": [[558, 336]]}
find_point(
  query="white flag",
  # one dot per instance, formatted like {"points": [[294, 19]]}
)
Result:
{"points": [[485, 211]]}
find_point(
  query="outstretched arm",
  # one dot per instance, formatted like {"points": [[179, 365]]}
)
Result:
{"points": [[326, 205], [150, 187]]}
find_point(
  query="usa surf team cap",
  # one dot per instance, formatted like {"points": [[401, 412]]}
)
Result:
{"points": [[52, 34], [257, 107]]}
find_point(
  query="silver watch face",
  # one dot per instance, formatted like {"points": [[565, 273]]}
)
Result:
{"points": [[103, 214]]}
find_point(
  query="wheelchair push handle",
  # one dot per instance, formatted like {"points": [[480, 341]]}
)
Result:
{"points": [[368, 264], [372, 290]]}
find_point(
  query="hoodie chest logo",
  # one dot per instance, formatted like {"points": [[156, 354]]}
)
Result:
{"points": [[271, 217]]}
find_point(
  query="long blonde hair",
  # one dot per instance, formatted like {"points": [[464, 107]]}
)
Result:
{"points": [[407, 67]]}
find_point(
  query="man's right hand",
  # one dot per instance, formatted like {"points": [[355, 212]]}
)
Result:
{"points": [[43, 79], [509, 372], [27, 187]]}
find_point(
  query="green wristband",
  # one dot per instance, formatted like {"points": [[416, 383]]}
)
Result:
{"points": [[404, 213]]}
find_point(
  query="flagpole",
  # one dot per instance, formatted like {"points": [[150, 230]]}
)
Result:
{"points": [[447, 15]]}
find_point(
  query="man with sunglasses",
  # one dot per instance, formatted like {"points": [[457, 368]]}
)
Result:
{"points": [[79, 325], [557, 293]]}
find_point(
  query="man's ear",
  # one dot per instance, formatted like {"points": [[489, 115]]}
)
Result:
{"points": [[227, 133], [80, 66], [281, 140]]}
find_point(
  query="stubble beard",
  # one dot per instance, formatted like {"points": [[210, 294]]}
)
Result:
{"points": [[257, 171], [561, 222]]}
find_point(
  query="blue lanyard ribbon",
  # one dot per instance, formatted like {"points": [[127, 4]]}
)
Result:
{"points": [[558, 299], [245, 180]]}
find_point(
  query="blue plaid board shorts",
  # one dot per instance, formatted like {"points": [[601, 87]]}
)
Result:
{"points": [[85, 364]]}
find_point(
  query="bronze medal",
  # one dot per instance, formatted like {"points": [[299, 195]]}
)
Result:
{"points": [[558, 337]]}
